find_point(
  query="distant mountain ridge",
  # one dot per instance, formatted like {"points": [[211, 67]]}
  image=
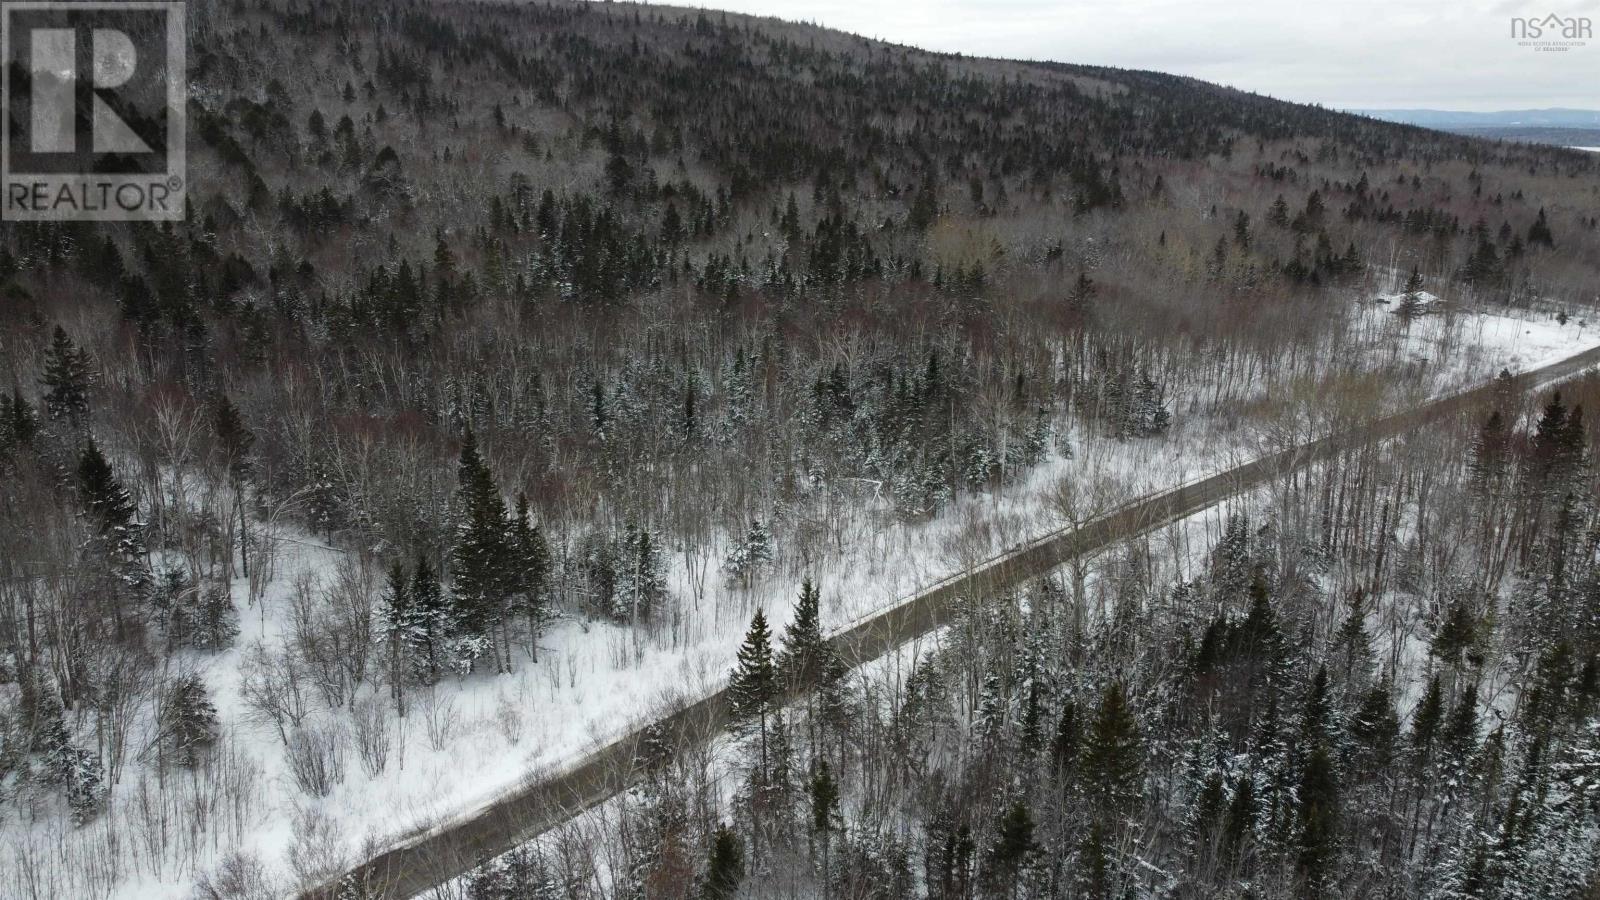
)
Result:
{"points": [[1520, 118]]}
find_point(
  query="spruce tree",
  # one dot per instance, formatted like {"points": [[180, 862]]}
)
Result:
{"points": [[18, 424], [1012, 848], [1032, 725], [641, 581], [395, 619], [725, 869], [234, 440], [1539, 232], [1318, 799], [1460, 736], [1317, 724], [1067, 743], [429, 623], [1094, 871], [189, 720], [824, 800], [805, 653], [480, 561], [1352, 647], [752, 555], [67, 377], [1425, 722], [1457, 634], [109, 507], [1489, 453], [113, 515], [825, 820], [753, 685], [1411, 296], [1375, 727], [1113, 759], [530, 554], [1206, 815], [1238, 832]]}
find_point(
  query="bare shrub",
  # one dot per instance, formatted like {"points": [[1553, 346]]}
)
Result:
{"points": [[508, 720], [440, 718], [332, 629], [240, 876], [316, 759], [372, 736], [317, 852], [273, 684]]}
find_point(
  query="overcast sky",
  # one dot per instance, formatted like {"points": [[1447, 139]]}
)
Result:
{"points": [[1442, 54]]}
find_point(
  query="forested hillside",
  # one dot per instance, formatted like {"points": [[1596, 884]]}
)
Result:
{"points": [[512, 355]]}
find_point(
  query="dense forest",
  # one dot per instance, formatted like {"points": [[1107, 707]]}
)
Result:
{"points": [[521, 341]]}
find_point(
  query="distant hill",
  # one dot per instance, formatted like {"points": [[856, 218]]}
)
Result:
{"points": [[1558, 127], [1457, 120]]}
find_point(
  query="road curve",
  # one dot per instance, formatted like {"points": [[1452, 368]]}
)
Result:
{"points": [[417, 862]]}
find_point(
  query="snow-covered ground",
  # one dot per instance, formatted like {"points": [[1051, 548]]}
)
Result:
{"points": [[474, 738]]}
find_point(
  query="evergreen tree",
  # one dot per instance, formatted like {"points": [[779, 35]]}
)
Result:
{"points": [[824, 800], [68, 374], [530, 559], [1012, 848], [1457, 634], [753, 685], [114, 517], [1148, 411], [1081, 297], [725, 870], [639, 585], [1095, 875], [109, 507], [1425, 723], [395, 618], [805, 652], [1375, 727], [188, 720], [1352, 647], [480, 561], [825, 820], [1489, 453], [76, 769], [1206, 814], [1279, 215], [18, 424], [1032, 725], [1411, 296], [234, 440], [1238, 832], [1461, 731], [428, 624], [751, 555], [1539, 232], [1067, 743], [1318, 799], [1317, 724], [1112, 756]]}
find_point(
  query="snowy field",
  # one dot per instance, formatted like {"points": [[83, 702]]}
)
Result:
{"points": [[471, 739]]}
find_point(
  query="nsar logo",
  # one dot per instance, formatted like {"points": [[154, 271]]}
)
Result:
{"points": [[1552, 33]]}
